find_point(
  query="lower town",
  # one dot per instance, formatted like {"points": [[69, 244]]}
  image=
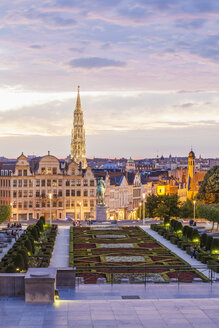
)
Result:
{"points": [[108, 243]]}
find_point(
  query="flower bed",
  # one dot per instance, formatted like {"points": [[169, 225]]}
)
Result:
{"points": [[125, 252]]}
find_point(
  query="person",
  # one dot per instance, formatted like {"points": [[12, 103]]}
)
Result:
{"points": [[195, 252], [192, 251], [194, 224]]}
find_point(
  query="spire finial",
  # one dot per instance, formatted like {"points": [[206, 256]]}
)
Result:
{"points": [[78, 102]]}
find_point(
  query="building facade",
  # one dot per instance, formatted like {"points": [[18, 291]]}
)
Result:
{"points": [[30, 183]]}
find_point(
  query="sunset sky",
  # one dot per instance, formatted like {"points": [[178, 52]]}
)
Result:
{"points": [[148, 72]]}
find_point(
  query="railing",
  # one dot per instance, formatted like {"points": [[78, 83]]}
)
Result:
{"points": [[145, 274]]}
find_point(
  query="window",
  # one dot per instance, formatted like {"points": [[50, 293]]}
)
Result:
{"points": [[92, 183], [30, 204], [49, 170], [37, 183], [43, 193], [54, 183], [72, 203], [60, 193], [60, 204], [14, 194], [37, 204], [67, 193], [54, 204], [19, 183], [54, 193], [25, 204], [92, 193], [43, 170], [85, 193], [25, 183], [30, 193], [60, 183], [37, 193], [78, 193], [30, 183], [25, 173], [67, 183], [85, 203], [67, 203], [43, 183], [78, 182], [20, 173], [43, 204], [19, 193], [73, 172], [85, 183], [25, 193], [19, 204], [48, 183], [91, 203], [54, 170], [14, 183], [73, 193], [14, 204], [73, 182]]}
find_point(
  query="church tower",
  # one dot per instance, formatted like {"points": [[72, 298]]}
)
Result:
{"points": [[78, 135], [191, 164]]}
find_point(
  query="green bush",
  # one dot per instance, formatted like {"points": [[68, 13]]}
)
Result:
{"points": [[203, 240], [213, 265], [209, 242], [215, 246], [11, 268], [19, 261]]}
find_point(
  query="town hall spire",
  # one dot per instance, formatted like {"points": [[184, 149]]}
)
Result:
{"points": [[78, 148]]}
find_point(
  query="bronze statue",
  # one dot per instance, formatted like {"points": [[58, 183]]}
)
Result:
{"points": [[100, 192]]}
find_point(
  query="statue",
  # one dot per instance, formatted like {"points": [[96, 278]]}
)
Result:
{"points": [[100, 192]]}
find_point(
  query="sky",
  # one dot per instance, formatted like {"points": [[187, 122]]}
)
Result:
{"points": [[148, 72]]}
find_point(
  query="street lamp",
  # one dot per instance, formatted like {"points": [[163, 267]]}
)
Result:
{"points": [[50, 208], [80, 211], [143, 207], [194, 209], [140, 210]]}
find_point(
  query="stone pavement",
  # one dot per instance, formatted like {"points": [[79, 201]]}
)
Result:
{"points": [[193, 262], [60, 256], [171, 313]]}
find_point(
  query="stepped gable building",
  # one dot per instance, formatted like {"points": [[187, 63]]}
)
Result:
{"points": [[28, 183], [78, 148]]}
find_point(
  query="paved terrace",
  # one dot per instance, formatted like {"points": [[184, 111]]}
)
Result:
{"points": [[172, 313]]}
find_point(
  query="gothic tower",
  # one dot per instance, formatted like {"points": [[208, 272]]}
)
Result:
{"points": [[78, 136]]}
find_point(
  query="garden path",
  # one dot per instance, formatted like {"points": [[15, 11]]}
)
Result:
{"points": [[193, 262], [60, 255]]}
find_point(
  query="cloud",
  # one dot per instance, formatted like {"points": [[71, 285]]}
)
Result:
{"points": [[190, 23], [36, 46], [95, 62]]}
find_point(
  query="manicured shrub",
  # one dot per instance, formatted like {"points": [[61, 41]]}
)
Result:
{"points": [[215, 246], [203, 240], [28, 245], [19, 261], [11, 268], [208, 243]]}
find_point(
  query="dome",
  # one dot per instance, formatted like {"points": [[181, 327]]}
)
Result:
{"points": [[192, 154]]}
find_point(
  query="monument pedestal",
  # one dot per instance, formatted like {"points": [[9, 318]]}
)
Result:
{"points": [[101, 213]]}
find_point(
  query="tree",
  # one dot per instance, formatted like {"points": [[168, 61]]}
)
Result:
{"points": [[186, 210], [5, 213], [209, 189], [163, 206], [209, 213]]}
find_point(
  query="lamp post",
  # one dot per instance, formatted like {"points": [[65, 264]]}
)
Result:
{"points": [[80, 211], [140, 210], [50, 208], [143, 207], [194, 209]]}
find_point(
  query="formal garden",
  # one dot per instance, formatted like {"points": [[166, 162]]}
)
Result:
{"points": [[118, 253], [33, 248]]}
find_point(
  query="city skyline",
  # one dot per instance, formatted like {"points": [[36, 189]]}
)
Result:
{"points": [[148, 73]]}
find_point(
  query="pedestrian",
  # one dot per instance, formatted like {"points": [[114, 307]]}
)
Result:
{"points": [[195, 252], [192, 251]]}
